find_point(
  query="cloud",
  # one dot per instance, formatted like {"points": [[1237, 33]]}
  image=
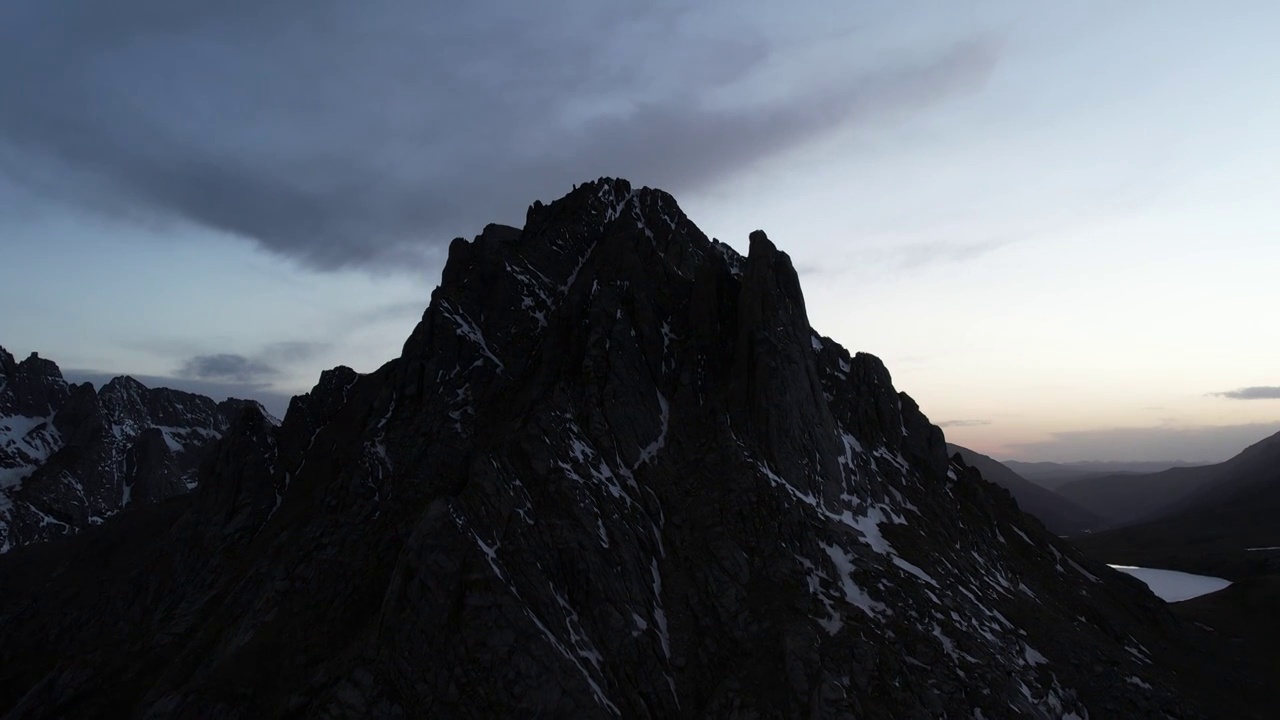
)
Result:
{"points": [[400, 310], [224, 375], [963, 423], [903, 257], [275, 402], [1197, 443], [922, 254], [341, 134], [1251, 393], [227, 367], [292, 351]]}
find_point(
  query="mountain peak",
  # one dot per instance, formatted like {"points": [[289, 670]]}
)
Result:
{"points": [[37, 366], [613, 473], [33, 388], [123, 385], [72, 456], [758, 237]]}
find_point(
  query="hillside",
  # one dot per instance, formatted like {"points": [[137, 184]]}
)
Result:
{"points": [[1214, 528], [1059, 515], [1234, 496]]}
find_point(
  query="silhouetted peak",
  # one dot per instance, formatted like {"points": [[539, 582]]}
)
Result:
{"points": [[123, 385], [311, 411], [237, 492], [336, 379], [249, 416], [770, 271], [616, 463], [37, 366], [599, 203], [231, 408], [31, 388], [759, 239]]}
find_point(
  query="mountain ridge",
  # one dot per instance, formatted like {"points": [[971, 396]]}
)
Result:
{"points": [[1210, 527], [1053, 475], [72, 456], [614, 472], [1140, 498], [1060, 515]]}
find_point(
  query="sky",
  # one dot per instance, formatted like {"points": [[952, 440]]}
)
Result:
{"points": [[1056, 223]]}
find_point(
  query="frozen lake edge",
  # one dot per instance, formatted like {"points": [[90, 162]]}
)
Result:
{"points": [[1174, 586]]}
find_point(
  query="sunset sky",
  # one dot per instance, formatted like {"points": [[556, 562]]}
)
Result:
{"points": [[1056, 223]]}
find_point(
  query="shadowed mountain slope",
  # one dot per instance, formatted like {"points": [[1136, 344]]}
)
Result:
{"points": [[72, 456], [613, 473], [1059, 515]]}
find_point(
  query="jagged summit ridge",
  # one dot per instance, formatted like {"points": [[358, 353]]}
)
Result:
{"points": [[70, 456], [634, 324], [613, 473], [595, 363]]}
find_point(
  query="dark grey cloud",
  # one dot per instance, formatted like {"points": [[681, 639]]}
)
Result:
{"points": [[227, 367], [365, 134], [274, 401], [1252, 393], [1200, 443], [963, 423]]}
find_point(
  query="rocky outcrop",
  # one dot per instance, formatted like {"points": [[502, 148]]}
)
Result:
{"points": [[70, 456], [31, 388], [614, 473]]}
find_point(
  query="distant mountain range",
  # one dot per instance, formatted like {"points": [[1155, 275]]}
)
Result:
{"points": [[1127, 498], [1053, 475], [1071, 498], [1207, 518], [72, 456], [1220, 520], [1060, 515]]}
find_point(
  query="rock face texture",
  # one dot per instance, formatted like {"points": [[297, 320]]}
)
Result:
{"points": [[614, 473], [71, 456]]}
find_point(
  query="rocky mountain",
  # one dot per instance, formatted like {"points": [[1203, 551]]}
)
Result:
{"points": [[1059, 515], [72, 456], [613, 473]]}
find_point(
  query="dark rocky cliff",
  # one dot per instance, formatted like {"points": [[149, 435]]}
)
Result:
{"points": [[614, 473], [71, 456]]}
